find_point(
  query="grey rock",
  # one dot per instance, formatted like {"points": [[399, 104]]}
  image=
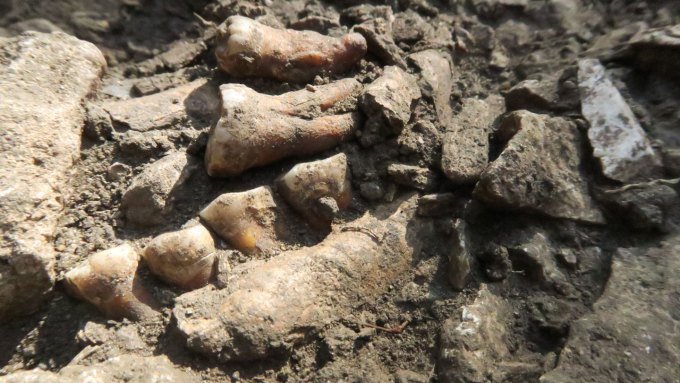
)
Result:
{"points": [[618, 140], [36, 25], [440, 204], [539, 170], [119, 369], [533, 94], [149, 199], [459, 255], [196, 100], [631, 335], [412, 176], [390, 97], [474, 349], [436, 81], [642, 207], [421, 141], [495, 261], [671, 161], [372, 191], [657, 49], [45, 79], [465, 149]]}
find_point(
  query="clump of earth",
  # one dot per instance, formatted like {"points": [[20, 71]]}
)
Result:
{"points": [[322, 191]]}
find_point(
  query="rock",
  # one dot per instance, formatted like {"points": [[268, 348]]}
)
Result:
{"points": [[406, 376], [631, 335], [37, 25], [108, 279], [421, 141], [671, 161], [381, 44], [390, 98], [533, 94], [615, 134], [535, 258], [98, 126], [552, 316], [496, 8], [642, 207], [323, 25], [306, 186], [495, 261], [299, 123], [181, 53], [184, 258], [250, 221], [539, 170], [198, 100], [150, 198], [465, 150], [440, 204], [409, 27], [120, 369], [274, 305], [46, 78], [412, 176], [436, 80], [474, 349], [117, 171], [372, 191], [459, 255], [657, 49]]}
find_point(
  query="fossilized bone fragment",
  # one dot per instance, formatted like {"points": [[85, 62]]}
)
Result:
{"points": [[246, 48], [108, 280], [184, 258], [279, 303], [257, 129], [318, 189], [249, 220]]}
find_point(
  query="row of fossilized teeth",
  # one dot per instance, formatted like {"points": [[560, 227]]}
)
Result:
{"points": [[186, 258]]}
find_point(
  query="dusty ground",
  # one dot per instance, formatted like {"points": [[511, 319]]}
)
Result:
{"points": [[539, 39]]}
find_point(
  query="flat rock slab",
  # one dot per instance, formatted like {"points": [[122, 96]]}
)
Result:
{"points": [[436, 80], [465, 150], [615, 134], [538, 171], [43, 81], [632, 334], [120, 369], [390, 96], [271, 306], [198, 99]]}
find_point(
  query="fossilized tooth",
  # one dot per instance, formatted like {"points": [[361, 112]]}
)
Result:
{"points": [[246, 48], [318, 189], [247, 220], [184, 258], [257, 129], [108, 280]]}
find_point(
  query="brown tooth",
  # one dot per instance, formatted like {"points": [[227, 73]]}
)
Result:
{"points": [[247, 48], [108, 279], [183, 258], [257, 129]]}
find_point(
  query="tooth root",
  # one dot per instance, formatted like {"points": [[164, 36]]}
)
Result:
{"points": [[257, 129], [247, 220], [318, 189], [109, 281], [246, 48], [183, 258]]}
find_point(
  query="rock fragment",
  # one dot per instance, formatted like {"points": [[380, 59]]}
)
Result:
{"points": [[631, 335], [643, 207], [615, 134], [657, 49], [150, 198], [390, 98], [119, 369], [184, 258], [533, 94], [474, 347], [412, 176], [536, 259], [279, 303], [45, 79], [437, 79], [440, 204], [312, 186], [196, 100], [539, 170], [108, 279], [465, 150], [249, 221], [459, 255], [246, 48], [257, 129]]}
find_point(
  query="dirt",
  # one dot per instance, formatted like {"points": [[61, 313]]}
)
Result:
{"points": [[494, 45]]}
